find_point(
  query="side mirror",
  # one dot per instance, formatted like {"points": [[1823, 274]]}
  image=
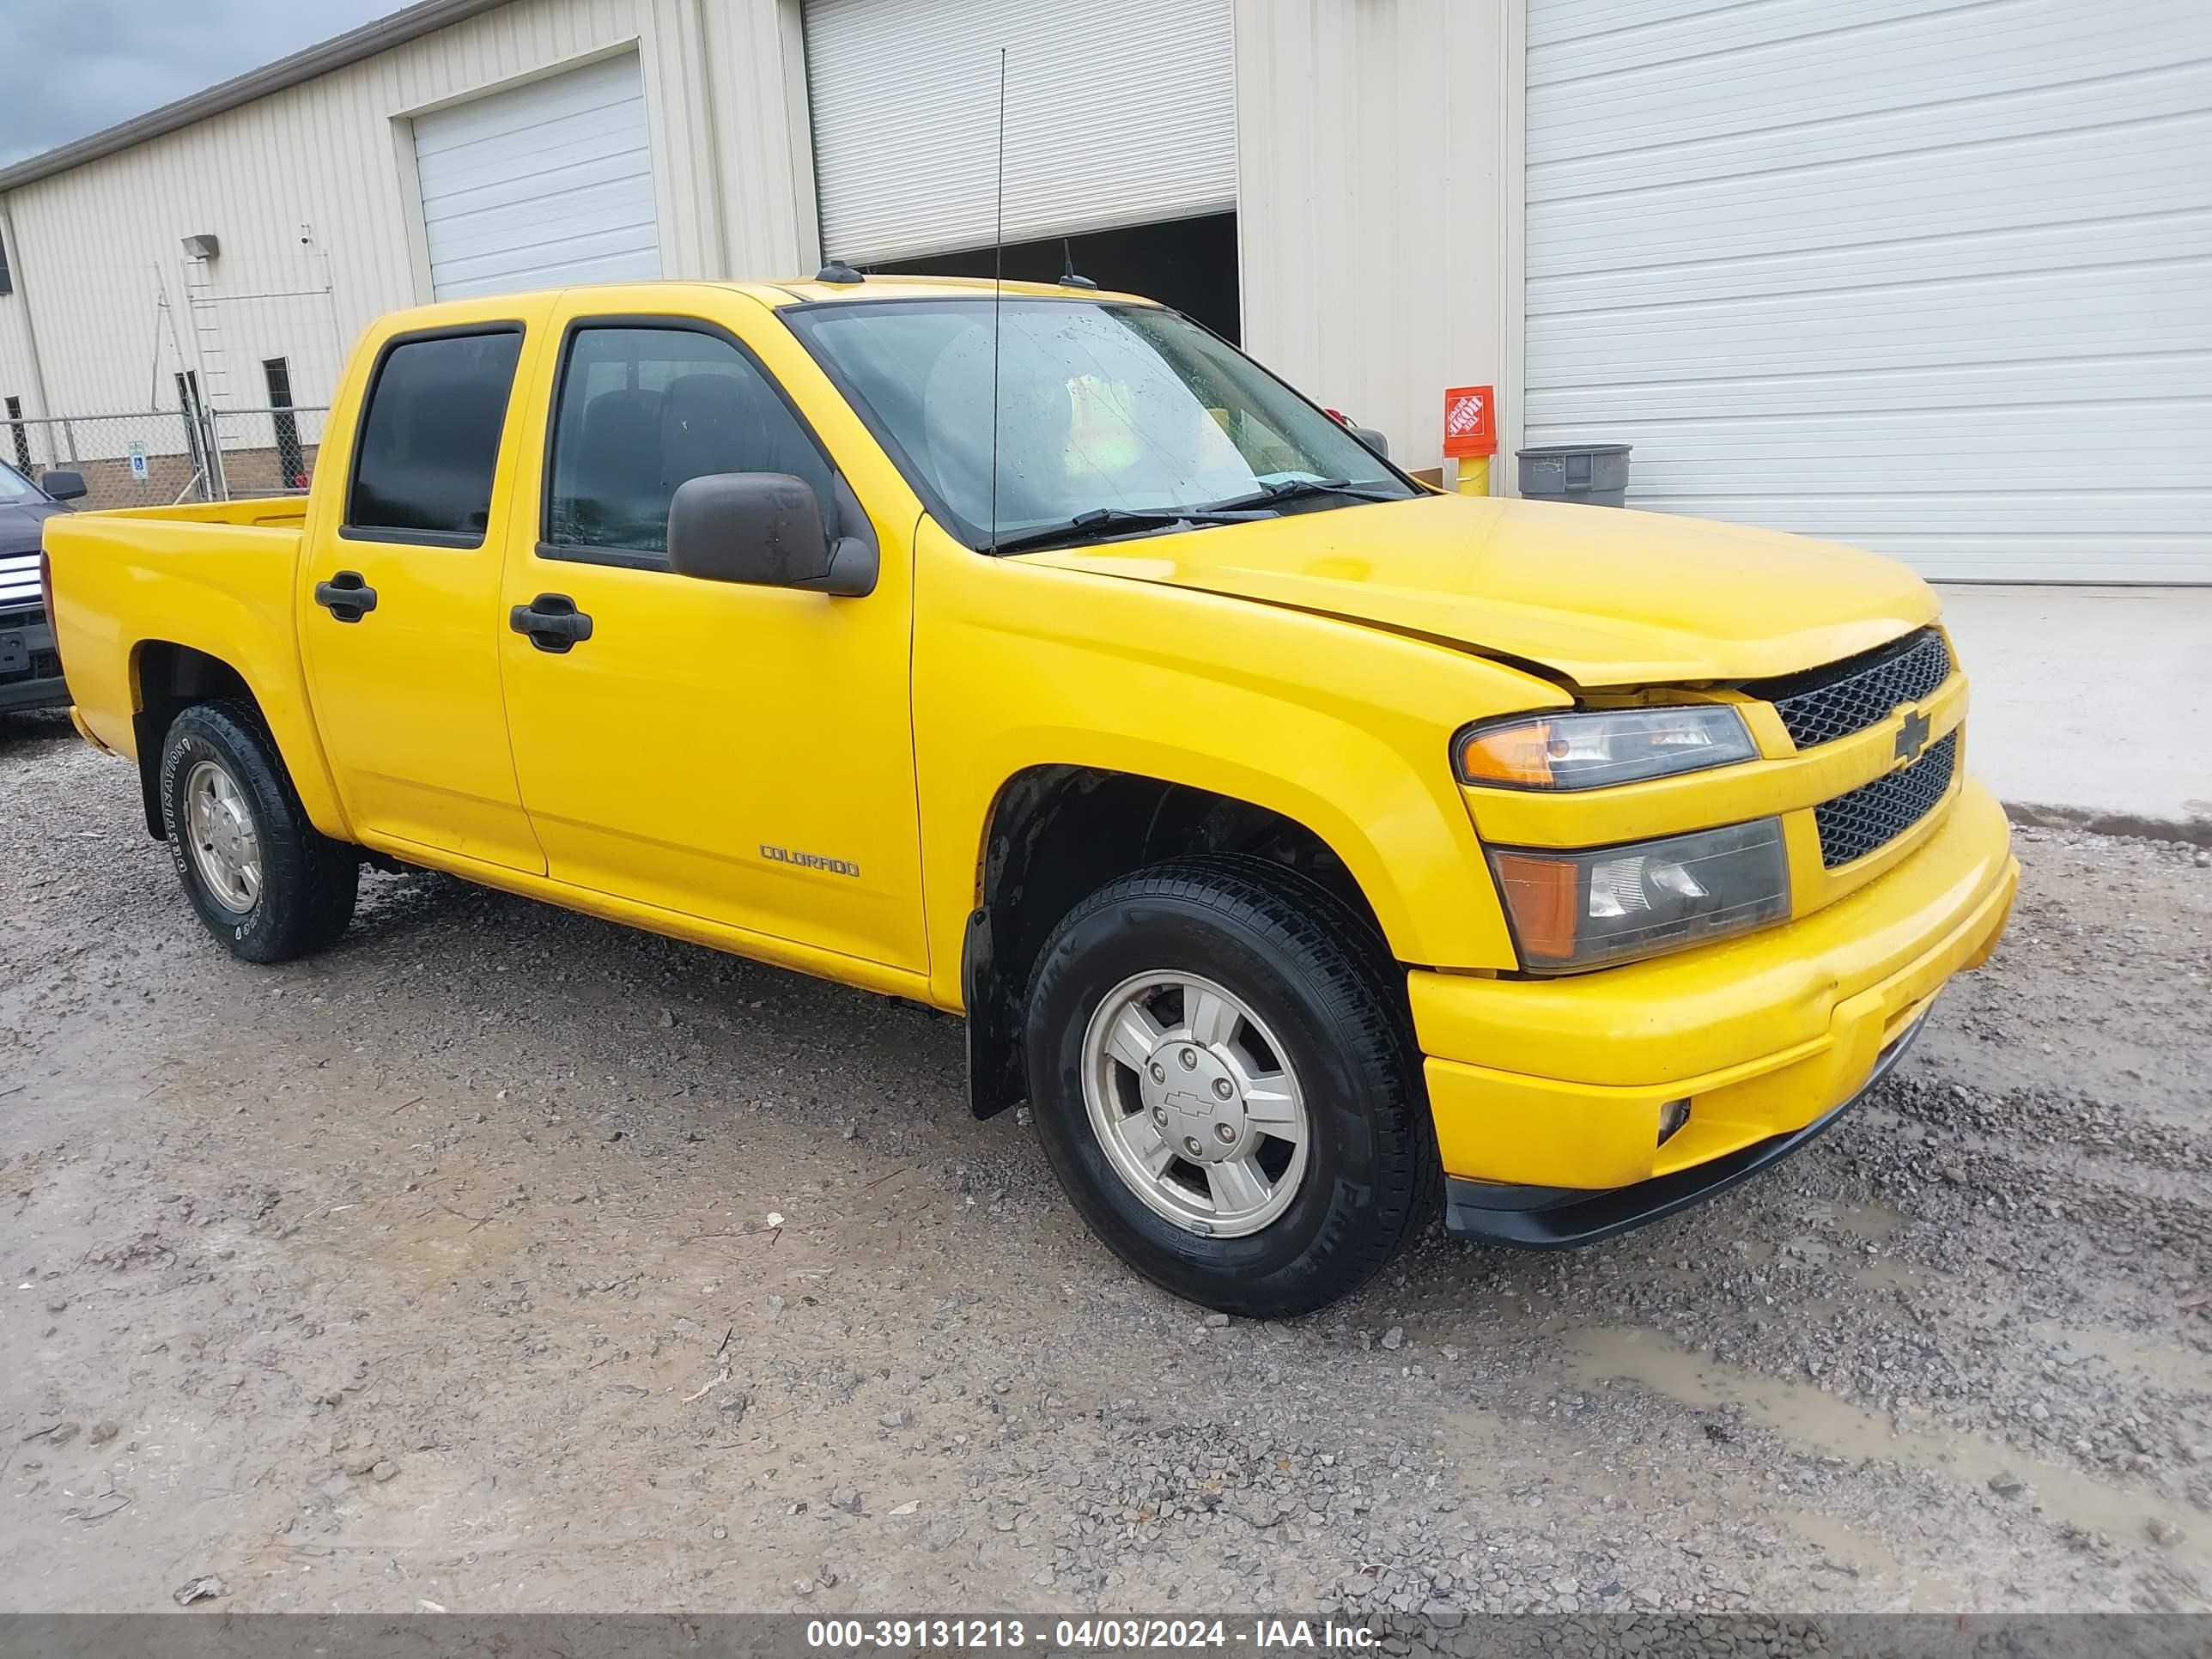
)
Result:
{"points": [[765, 529], [1374, 440], [63, 486]]}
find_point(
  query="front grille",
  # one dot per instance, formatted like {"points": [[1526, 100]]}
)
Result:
{"points": [[19, 578], [1874, 814], [1827, 703]]}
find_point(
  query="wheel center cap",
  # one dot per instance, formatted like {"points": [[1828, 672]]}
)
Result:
{"points": [[1194, 1102]]}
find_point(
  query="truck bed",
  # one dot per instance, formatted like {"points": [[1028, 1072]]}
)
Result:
{"points": [[262, 511], [215, 577]]}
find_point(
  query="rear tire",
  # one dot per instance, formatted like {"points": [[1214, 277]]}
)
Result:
{"points": [[263, 879], [1225, 1081]]}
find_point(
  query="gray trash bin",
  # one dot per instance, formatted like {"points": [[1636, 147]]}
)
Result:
{"points": [[1596, 474]]}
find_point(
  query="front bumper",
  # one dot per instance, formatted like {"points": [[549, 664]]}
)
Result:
{"points": [[1559, 1084], [27, 654], [1561, 1218]]}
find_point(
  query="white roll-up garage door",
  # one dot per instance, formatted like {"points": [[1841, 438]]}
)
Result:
{"points": [[544, 186], [1934, 278], [1115, 115]]}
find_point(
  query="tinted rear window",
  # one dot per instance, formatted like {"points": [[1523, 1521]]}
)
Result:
{"points": [[429, 438]]}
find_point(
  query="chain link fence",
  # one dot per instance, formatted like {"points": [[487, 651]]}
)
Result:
{"points": [[162, 456]]}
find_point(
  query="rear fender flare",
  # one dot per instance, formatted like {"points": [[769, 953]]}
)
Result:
{"points": [[170, 674]]}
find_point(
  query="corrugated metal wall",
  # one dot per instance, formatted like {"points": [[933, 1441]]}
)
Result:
{"points": [[1930, 277], [1369, 142], [1371, 221], [1160, 71], [311, 189], [14, 333]]}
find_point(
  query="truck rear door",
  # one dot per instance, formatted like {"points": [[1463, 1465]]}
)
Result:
{"points": [[400, 579]]}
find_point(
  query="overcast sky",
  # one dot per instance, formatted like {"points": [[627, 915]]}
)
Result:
{"points": [[71, 67]]}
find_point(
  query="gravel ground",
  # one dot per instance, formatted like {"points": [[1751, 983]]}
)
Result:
{"points": [[502, 1259]]}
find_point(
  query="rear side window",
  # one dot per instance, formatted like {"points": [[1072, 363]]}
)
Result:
{"points": [[429, 439], [642, 409]]}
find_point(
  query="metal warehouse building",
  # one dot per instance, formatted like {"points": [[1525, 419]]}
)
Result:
{"points": [[1931, 276]]}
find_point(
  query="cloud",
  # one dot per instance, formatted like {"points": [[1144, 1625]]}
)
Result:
{"points": [[68, 67]]}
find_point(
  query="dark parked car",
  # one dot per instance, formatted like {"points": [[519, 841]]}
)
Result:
{"points": [[30, 668]]}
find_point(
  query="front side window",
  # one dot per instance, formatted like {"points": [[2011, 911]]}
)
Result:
{"points": [[1099, 407], [641, 411], [429, 439]]}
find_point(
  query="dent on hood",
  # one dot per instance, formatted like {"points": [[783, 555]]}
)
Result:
{"points": [[1588, 597]]}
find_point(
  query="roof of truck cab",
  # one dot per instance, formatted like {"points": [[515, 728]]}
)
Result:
{"points": [[481, 308], [810, 292]]}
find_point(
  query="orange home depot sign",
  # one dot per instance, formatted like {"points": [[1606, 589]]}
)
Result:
{"points": [[1470, 421]]}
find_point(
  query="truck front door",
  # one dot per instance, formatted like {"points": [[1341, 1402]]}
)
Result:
{"points": [[400, 579], [742, 755]]}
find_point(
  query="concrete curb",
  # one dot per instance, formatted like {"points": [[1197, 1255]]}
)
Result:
{"points": [[2196, 832]]}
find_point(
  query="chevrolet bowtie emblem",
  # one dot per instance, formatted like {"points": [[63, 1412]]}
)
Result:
{"points": [[1912, 736]]}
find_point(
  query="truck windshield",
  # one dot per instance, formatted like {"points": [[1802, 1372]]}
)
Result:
{"points": [[16, 489], [1110, 418]]}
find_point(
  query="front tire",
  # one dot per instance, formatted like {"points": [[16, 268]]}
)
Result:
{"points": [[263, 879], [1224, 1082]]}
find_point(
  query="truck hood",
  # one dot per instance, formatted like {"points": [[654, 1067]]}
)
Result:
{"points": [[1598, 597], [20, 522]]}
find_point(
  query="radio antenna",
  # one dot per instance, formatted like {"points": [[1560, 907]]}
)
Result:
{"points": [[998, 282]]}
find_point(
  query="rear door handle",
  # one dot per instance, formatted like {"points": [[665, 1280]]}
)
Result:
{"points": [[346, 597], [551, 622]]}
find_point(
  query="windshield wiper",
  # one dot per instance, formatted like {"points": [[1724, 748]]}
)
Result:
{"points": [[1239, 509], [1112, 520], [1299, 489]]}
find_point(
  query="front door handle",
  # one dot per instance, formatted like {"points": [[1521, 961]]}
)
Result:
{"points": [[346, 597], [551, 622]]}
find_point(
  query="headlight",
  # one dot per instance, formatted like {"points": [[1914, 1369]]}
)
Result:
{"points": [[1588, 750], [1581, 909]]}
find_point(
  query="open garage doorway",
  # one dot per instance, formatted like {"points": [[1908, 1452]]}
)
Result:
{"points": [[1188, 263]]}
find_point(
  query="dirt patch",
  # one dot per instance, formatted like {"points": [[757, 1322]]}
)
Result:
{"points": [[502, 1259]]}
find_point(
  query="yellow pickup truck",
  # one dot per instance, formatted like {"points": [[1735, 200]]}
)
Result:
{"points": [[1306, 846]]}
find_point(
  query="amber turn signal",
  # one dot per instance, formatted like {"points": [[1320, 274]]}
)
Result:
{"points": [[1540, 896], [1509, 754]]}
